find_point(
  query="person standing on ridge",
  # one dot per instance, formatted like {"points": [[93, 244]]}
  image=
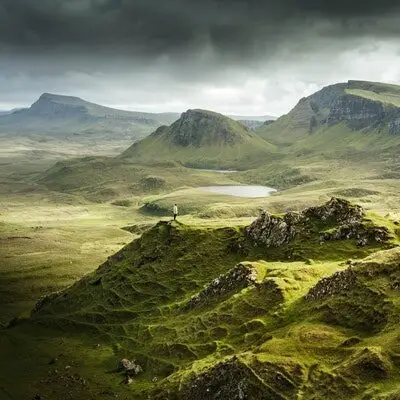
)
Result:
{"points": [[175, 210]]}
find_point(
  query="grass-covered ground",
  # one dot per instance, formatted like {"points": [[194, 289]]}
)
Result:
{"points": [[284, 346]]}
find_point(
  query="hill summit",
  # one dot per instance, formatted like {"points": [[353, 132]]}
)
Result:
{"points": [[201, 128], [202, 138]]}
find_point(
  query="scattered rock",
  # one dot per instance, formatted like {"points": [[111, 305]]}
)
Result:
{"points": [[239, 277], [364, 235], [129, 367], [335, 284], [128, 380], [227, 380]]}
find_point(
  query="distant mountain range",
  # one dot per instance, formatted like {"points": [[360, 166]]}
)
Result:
{"points": [[341, 126], [63, 115], [68, 125]]}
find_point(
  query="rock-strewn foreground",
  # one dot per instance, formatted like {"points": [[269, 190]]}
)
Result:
{"points": [[287, 308]]}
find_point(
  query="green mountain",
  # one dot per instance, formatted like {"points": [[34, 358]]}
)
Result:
{"points": [[202, 139], [301, 305]]}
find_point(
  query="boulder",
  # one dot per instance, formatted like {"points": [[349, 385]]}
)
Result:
{"points": [[129, 367]]}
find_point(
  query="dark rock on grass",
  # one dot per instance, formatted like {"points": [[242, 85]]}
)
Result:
{"points": [[364, 235], [337, 210], [333, 285], [228, 380], [368, 364], [275, 231], [345, 300], [43, 302], [129, 367], [238, 278], [353, 341], [233, 379]]}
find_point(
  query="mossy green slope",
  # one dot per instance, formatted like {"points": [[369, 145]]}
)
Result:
{"points": [[203, 139], [210, 313]]}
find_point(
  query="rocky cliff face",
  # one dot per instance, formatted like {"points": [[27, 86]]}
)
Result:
{"points": [[333, 105]]}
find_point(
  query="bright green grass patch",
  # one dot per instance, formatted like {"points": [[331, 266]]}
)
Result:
{"points": [[382, 97]]}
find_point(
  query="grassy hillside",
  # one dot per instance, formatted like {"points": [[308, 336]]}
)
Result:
{"points": [[203, 139], [207, 313]]}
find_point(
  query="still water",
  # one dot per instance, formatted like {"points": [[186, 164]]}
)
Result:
{"points": [[241, 190]]}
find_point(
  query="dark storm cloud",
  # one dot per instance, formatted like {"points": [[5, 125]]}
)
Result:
{"points": [[154, 27], [242, 57]]}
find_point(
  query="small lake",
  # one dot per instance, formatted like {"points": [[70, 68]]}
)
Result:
{"points": [[240, 190], [219, 171]]}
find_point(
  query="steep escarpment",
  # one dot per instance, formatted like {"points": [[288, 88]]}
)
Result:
{"points": [[265, 311], [341, 109], [204, 139]]}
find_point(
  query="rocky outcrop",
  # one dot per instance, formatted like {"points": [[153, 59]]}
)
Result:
{"points": [[227, 380], [238, 278], [235, 380], [363, 235], [129, 367], [275, 231], [333, 285], [338, 211]]}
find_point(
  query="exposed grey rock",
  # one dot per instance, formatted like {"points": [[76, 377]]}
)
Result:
{"points": [[239, 277], [357, 231], [227, 380], [130, 367], [275, 231], [337, 210], [335, 284], [234, 380]]}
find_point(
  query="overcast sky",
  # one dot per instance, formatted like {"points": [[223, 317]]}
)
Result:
{"points": [[251, 57]]}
